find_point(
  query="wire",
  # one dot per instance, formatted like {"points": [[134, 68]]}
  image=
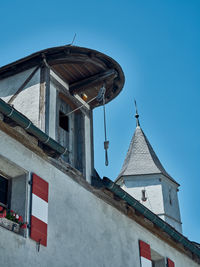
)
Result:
{"points": [[64, 115]]}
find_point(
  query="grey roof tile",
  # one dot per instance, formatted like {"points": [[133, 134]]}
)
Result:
{"points": [[141, 158]]}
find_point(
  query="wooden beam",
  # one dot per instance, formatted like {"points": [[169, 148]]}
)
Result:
{"points": [[76, 59], [84, 84]]}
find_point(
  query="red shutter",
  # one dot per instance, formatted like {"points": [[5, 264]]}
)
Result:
{"points": [[145, 254], [39, 212], [170, 263]]}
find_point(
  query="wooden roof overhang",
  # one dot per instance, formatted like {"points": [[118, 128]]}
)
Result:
{"points": [[85, 70]]}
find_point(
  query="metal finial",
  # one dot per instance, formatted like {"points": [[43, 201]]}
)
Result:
{"points": [[136, 114]]}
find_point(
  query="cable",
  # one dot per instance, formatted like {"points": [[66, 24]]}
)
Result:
{"points": [[64, 115]]}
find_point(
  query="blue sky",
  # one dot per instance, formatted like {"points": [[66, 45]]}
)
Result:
{"points": [[157, 44]]}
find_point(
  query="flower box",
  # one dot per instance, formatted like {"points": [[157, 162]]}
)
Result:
{"points": [[10, 225]]}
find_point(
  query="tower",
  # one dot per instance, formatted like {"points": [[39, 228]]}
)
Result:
{"points": [[57, 90], [143, 176]]}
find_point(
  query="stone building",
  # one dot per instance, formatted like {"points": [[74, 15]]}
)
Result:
{"points": [[47, 175]]}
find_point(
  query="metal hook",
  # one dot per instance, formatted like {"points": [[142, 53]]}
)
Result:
{"points": [[38, 245]]}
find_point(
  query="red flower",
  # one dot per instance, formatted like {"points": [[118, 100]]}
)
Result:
{"points": [[24, 226], [12, 211], [1, 208], [20, 219], [3, 215]]}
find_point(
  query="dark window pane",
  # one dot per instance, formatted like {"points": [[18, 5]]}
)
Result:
{"points": [[3, 190], [63, 121]]}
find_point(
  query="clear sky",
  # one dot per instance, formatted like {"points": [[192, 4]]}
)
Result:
{"points": [[157, 43]]}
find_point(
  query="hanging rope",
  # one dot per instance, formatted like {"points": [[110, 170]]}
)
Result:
{"points": [[106, 142]]}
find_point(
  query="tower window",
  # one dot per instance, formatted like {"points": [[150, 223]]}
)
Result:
{"points": [[63, 121], [144, 198], [170, 197]]}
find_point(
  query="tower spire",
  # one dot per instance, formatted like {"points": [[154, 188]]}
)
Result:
{"points": [[136, 115]]}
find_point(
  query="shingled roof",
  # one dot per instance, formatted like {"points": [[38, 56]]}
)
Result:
{"points": [[141, 158]]}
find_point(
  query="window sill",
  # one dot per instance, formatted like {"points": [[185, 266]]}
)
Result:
{"points": [[10, 225]]}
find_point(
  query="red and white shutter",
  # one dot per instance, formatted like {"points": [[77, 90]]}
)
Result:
{"points": [[39, 212], [145, 254], [170, 263]]}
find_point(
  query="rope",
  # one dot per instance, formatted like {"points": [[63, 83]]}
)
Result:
{"points": [[106, 142], [74, 110], [100, 97]]}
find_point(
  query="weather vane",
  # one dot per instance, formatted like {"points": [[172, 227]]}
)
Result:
{"points": [[136, 114]]}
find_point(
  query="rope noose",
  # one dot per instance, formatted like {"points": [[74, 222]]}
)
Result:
{"points": [[101, 97]]}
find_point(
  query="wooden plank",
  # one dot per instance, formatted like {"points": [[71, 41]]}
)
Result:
{"points": [[63, 135], [77, 59], [67, 97], [44, 99], [84, 84], [79, 142], [23, 85]]}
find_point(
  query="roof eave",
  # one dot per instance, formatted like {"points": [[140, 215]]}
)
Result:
{"points": [[72, 55]]}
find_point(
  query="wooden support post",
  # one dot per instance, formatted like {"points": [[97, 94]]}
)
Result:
{"points": [[44, 99]]}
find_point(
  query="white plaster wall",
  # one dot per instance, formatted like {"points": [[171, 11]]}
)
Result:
{"points": [[172, 210], [83, 230], [134, 186], [27, 102], [157, 192], [172, 222]]}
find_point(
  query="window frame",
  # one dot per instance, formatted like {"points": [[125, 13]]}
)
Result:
{"points": [[9, 189]]}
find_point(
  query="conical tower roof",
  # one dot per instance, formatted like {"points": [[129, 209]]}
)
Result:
{"points": [[141, 158]]}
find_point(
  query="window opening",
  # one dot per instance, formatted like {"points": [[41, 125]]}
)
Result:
{"points": [[170, 197], [63, 121], [144, 198], [157, 259], [3, 191]]}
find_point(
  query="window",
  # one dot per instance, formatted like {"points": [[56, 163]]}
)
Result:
{"points": [[63, 121], [71, 132], [13, 193], [157, 259], [150, 257], [3, 191]]}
